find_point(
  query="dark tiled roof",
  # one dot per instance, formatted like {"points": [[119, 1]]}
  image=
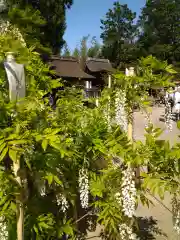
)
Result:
{"points": [[68, 67], [99, 65]]}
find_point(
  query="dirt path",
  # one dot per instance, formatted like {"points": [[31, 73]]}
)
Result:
{"points": [[156, 221]]}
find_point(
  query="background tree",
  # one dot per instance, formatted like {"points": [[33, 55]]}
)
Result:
{"points": [[94, 50], [160, 29], [76, 53], [118, 34], [66, 51], [40, 22], [88, 48]]}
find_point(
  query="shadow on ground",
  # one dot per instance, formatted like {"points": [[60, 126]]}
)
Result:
{"points": [[148, 229]]}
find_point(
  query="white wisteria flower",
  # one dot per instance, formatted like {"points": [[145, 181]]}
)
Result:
{"points": [[177, 223], [4, 231], [118, 198], [148, 119], [168, 115], [62, 201], [176, 213], [43, 191], [7, 28], [126, 232], [128, 192], [121, 116], [84, 187]]}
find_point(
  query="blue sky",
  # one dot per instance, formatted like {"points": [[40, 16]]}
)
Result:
{"points": [[84, 18]]}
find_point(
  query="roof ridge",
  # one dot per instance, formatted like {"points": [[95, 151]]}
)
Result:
{"points": [[64, 58], [98, 60]]}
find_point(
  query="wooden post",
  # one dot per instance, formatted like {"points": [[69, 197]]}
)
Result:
{"points": [[130, 131], [129, 73], [109, 81], [16, 79], [20, 209]]}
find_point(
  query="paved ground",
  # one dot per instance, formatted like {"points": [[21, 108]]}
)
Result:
{"points": [[158, 218], [156, 222], [157, 118]]}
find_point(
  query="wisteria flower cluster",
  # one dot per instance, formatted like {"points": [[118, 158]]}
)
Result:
{"points": [[121, 116], [176, 214], [128, 192], [148, 119], [62, 201], [7, 28], [4, 231], [43, 191], [118, 198], [84, 187], [168, 115], [126, 232]]}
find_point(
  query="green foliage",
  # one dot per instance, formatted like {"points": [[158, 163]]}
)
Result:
{"points": [[163, 162], [53, 145]]}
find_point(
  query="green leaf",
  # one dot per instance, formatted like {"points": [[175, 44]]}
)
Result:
{"points": [[49, 178], [12, 136], [38, 138], [57, 180], [55, 145], [44, 144], [17, 142], [36, 229], [68, 230], [54, 132], [1, 141], [2, 147], [13, 155], [3, 154], [28, 163], [3, 200], [5, 206], [13, 206], [170, 69], [44, 225]]}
